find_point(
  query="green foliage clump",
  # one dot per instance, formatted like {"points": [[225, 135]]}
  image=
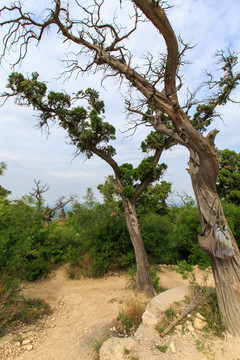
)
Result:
{"points": [[203, 116], [228, 180], [3, 192], [155, 280], [154, 140], [128, 191], [103, 237], [163, 348], [156, 232], [183, 239], [27, 249], [154, 199], [232, 213]]}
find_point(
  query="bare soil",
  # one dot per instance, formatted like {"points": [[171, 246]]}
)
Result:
{"points": [[84, 310]]}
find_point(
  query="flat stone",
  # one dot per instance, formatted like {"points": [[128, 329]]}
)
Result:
{"points": [[26, 342], [113, 348], [164, 300], [148, 318]]}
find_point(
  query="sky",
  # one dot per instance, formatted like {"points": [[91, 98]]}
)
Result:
{"points": [[33, 154]]}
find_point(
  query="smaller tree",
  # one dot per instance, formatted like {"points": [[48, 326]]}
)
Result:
{"points": [[228, 180], [36, 196], [91, 135]]}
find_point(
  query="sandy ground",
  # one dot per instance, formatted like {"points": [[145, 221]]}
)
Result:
{"points": [[83, 312]]}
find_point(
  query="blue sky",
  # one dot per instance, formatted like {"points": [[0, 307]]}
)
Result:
{"points": [[32, 154]]}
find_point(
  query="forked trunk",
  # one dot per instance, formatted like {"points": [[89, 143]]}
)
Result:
{"points": [[203, 171], [143, 278]]}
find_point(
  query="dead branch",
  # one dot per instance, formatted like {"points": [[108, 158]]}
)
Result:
{"points": [[63, 201], [197, 301], [39, 190]]}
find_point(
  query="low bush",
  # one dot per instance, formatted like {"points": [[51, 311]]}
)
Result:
{"points": [[15, 308], [131, 315]]}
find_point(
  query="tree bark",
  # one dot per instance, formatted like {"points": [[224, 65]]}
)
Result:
{"points": [[143, 278], [203, 169]]}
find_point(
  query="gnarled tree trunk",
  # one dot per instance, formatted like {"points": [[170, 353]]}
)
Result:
{"points": [[203, 169], [143, 279]]}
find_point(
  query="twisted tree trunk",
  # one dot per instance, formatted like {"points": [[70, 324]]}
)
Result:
{"points": [[143, 279], [203, 169]]}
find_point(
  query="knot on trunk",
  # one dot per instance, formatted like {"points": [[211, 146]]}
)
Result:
{"points": [[211, 136]]}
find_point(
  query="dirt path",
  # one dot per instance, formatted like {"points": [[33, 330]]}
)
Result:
{"points": [[83, 311]]}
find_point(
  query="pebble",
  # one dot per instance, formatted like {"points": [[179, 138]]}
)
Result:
{"points": [[190, 328], [29, 347], [200, 317], [199, 324], [26, 342], [178, 328], [172, 347]]}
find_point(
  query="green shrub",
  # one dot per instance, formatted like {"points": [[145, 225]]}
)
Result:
{"points": [[131, 316], [184, 268], [156, 230], [105, 240], [155, 280], [13, 307], [36, 268]]}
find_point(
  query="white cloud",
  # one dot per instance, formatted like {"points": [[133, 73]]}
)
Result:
{"points": [[9, 155], [72, 175]]}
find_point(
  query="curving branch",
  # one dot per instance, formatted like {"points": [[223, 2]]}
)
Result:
{"points": [[154, 12]]}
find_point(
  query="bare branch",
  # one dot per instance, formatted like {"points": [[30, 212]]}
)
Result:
{"points": [[39, 190], [156, 122], [63, 201]]}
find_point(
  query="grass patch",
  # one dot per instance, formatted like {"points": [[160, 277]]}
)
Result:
{"points": [[131, 315], [170, 313], [97, 346], [163, 349], [167, 317], [210, 311], [15, 308], [209, 308]]}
